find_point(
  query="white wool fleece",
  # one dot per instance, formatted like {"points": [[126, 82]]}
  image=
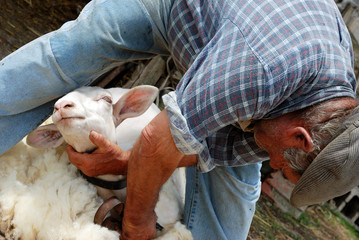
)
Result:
{"points": [[43, 197]]}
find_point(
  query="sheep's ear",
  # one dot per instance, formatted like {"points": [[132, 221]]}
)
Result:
{"points": [[47, 136], [134, 103]]}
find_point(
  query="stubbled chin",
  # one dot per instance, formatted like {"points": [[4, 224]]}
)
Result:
{"points": [[290, 174], [273, 165]]}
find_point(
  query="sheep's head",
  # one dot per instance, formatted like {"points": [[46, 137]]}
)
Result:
{"points": [[87, 109]]}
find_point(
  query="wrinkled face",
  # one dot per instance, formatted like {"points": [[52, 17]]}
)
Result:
{"points": [[79, 112], [270, 136]]}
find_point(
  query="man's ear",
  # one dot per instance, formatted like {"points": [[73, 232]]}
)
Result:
{"points": [[134, 103], [300, 138], [46, 136]]}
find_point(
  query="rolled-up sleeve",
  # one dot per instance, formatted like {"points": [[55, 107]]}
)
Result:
{"points": [[229, 146], [222, 86], [251, 62]]}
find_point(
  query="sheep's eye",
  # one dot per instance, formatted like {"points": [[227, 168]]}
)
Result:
{"points": [[107, 99]]}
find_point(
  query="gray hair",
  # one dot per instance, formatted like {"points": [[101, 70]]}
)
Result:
{"points": [[322, 133]]}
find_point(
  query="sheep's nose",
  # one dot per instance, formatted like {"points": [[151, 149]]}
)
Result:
{"points": [[64, 104]]}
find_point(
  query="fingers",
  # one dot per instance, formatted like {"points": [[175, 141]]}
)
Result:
{"points": [[99, 140], [74, 157], [103, 145], [83, 161], [108, 158]]}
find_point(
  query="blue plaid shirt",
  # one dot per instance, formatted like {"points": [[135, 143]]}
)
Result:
{"points": [[248, 60]]}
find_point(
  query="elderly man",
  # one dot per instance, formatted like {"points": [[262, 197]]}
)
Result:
{"points": [[262, 79]]}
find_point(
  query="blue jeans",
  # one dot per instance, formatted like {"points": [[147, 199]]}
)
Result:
{"points": [[105, 33], [219, 204]]}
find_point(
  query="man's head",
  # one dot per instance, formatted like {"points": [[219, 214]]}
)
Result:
{"points": [[295, 139]]}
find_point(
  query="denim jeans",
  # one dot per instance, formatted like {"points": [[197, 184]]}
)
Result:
{"points": [[219, 204], [105, 33]]}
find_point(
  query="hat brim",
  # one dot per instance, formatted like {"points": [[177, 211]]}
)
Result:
{"points": [[333, 172]]}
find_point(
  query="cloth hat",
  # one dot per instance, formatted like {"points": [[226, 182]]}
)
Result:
{"points": [[334, 172]]}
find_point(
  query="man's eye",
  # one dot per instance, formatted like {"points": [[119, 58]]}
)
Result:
{"points": [[107, 99]]}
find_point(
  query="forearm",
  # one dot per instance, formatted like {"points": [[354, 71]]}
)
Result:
{"points": [[152, 161], [188, 160]]}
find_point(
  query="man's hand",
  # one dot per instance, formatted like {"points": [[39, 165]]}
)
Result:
{"points": [[153, 159], [145, 230], [108, 158], [148, 165]]}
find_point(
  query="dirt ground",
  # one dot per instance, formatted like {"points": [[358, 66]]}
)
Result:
{"points": [[24, 20]]}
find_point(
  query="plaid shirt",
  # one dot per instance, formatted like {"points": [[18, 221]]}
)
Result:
{"points": [[249, 60]]}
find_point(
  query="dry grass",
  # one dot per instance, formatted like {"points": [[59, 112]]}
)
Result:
{"points": [[316, 223]]}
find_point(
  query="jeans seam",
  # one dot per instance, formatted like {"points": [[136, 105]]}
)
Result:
{"points": [[194, 201]]}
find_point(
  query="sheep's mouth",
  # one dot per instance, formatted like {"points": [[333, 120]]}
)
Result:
{"points": [[73, 117], [66, 119]]}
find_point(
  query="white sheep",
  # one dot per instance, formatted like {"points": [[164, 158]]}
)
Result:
{"points": [[43, 197], [88, 108]]}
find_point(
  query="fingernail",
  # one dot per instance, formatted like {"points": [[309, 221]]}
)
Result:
{"points": [[94, 134]]}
